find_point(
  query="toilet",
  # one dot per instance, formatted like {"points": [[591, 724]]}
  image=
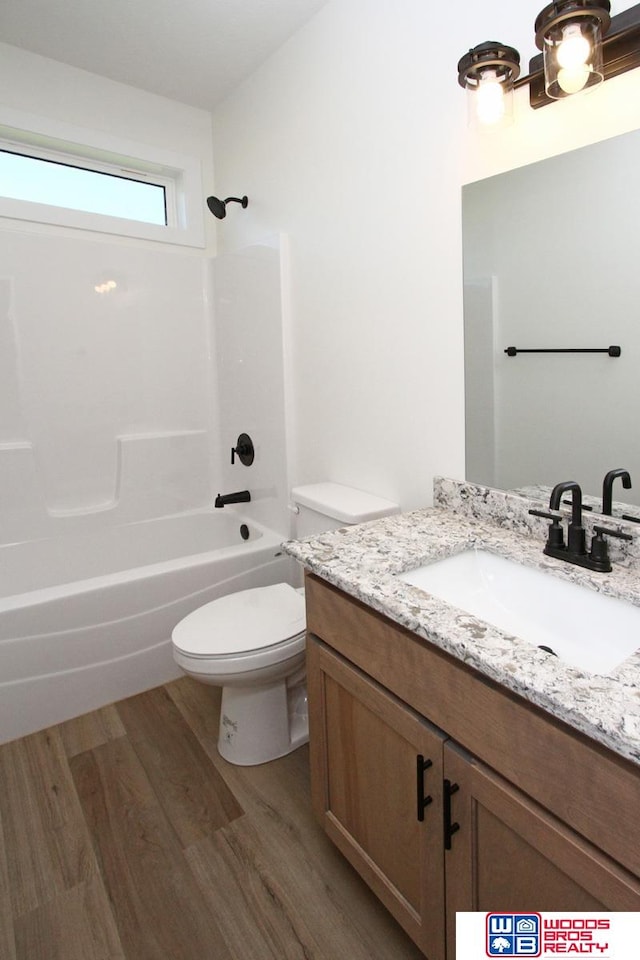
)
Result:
{"points": [[252, 643]]}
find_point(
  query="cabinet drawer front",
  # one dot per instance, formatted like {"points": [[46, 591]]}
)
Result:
{"points": [[585, 785]]}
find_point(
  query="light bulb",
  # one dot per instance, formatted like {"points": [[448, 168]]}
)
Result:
{"points": [[574, 50], [574, 80], [105, 287], [573, 56], [490, 105]]}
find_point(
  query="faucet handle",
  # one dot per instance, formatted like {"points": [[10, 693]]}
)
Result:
{"points": [[599, 553], [600, 531], [567, 503], [556, 517], [556, 536], [245, 450]]}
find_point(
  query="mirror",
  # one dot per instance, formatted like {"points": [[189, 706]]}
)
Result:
{"points": [[551, 262]]}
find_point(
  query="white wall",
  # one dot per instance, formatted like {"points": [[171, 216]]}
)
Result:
{"points": [[353, 140], [50, 89]]}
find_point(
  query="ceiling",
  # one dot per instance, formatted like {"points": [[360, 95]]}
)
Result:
{"points": [[193, 51]]}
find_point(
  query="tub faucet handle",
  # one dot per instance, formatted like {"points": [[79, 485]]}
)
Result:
{"points": [[245, 450]]}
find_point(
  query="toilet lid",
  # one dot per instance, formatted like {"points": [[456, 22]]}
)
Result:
{"points": [[243, 621]]}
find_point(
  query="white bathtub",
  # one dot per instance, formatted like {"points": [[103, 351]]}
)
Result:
{"points": [[86, 620]]}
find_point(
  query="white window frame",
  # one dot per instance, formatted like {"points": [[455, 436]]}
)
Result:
{"points": [[180, 175]]}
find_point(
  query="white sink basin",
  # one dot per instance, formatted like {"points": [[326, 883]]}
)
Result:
{"points": [[583, 627]]}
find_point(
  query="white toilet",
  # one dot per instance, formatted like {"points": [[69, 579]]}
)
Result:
{"points": [[252, 643]]}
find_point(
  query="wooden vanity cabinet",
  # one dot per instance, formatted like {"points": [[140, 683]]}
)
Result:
{"points": [[509, 854], [376, 788], [432, 824]]}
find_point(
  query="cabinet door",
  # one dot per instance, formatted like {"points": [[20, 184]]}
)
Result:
{"points": [[508, 854], [376, 777]]}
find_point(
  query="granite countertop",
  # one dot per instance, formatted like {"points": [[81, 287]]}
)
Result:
{"points": [[363, 561]]}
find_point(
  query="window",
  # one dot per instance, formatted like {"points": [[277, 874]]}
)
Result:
{"points": [[62, 184], [54, 173]]}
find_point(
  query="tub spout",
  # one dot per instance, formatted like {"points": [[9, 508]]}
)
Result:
{"points": [[242, 496]]}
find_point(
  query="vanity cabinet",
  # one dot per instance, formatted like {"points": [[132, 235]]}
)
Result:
{"points": [[447, 793], [510, 854], [374, 762]]}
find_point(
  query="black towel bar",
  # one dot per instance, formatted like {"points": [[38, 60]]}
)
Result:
{"points": [[613, 351]]}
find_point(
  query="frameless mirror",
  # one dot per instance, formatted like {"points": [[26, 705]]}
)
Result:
{"points": [[551, 263]]}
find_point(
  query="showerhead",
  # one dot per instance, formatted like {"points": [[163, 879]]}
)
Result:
{"points": [[219, 207]]}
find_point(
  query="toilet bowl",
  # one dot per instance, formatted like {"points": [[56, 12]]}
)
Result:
{"points": [[252, 643]]}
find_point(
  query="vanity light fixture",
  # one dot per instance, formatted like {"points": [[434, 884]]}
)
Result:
{"points": [[581, 44], [569, 33], [488, 73]]}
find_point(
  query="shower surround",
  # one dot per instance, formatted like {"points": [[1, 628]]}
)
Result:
{"points": [[118, 411], [105, 388]]}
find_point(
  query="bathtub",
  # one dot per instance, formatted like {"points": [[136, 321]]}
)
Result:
{"points": [[86, 620]]}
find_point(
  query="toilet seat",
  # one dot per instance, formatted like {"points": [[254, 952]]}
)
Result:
{"points": [[257, 622]]}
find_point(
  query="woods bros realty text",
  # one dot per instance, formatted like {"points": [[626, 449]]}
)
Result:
{"points": [[575, 936]]}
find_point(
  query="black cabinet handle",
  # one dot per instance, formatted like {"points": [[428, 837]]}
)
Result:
{"points": [[449, 827], [422, 765]]}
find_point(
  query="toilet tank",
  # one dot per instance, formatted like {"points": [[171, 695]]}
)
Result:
{"points": [[328, 506]]}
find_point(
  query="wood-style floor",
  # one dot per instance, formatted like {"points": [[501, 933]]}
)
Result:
{"points": [[125, 836]]}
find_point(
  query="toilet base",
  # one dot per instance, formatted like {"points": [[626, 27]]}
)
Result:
{"points": [[262, 723]]}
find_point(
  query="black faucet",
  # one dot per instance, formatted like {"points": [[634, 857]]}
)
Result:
{"points": [[242, 496], [576, 551], [576, 542], [607, 487]]}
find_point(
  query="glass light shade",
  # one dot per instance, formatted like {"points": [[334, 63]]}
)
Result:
{"points": [[572, 57], [490, 101], [487, 72]]}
